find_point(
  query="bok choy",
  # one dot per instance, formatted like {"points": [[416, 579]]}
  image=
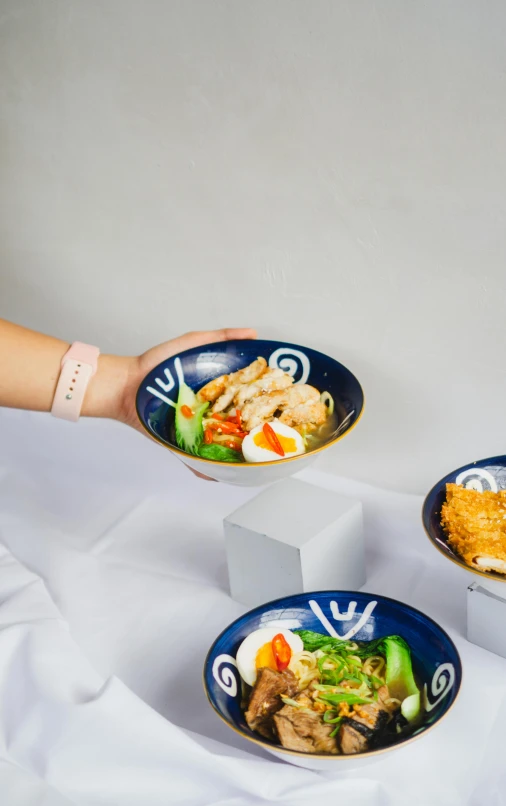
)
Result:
{"points": [[189, 414]]}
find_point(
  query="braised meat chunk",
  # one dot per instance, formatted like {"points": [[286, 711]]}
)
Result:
{"points": [[354, 737], [304, 730], [266, 700], [360, 731]]}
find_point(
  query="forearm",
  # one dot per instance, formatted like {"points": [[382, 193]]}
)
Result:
{"points": [[30, 366]]}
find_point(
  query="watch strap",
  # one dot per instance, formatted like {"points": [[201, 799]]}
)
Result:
{"points": [[78, 366]]}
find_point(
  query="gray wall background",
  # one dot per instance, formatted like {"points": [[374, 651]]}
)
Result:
{"points": [[331, 172]]}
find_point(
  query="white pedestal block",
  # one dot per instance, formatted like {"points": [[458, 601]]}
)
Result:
{"points": [[291, 538], [486, 616]]}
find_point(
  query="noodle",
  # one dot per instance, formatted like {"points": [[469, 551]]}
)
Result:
{"points": [[374, 665], [339, 672], [304, 666]]}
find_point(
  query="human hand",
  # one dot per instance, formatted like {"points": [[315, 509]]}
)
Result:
{"points": [[113, 390], [144, 363]]}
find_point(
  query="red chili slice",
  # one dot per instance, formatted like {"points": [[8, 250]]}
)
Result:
{"points": [[186, 412], [208, 436], [281, 650], [224, 428], [234, 445], [272, 439]]}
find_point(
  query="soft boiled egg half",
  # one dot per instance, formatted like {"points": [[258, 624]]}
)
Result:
{"points": [[259, 650], [256, 446]]}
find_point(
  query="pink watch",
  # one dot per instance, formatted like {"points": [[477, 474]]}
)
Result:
{"points": [[78, 365]]}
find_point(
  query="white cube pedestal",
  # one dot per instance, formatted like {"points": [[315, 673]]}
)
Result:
{"points": [[486, 615], [291, 538]]}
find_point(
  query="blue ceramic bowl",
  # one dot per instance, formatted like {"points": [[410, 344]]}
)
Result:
{"points": [[486, 474], [158, 392], [362, 616]]}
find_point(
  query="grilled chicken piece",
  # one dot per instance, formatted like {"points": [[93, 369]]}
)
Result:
{"points": [[312, 413], [265, 699], [299, 394], [212, 390], [300, 404], [236, 380], [270, 381], [261, 409], [226, 398], [304, 730], [249, 373]]}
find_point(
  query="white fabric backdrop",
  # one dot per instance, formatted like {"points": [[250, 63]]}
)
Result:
{"points": [[112, 587]]}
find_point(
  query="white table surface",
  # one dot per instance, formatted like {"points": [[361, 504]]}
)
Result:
{"points": [[112, 587]]}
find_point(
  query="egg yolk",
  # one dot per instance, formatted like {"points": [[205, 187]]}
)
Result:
{"points": [[265, 657], [287, 443]]}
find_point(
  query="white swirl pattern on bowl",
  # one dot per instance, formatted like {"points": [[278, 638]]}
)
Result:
{"points": [[289, 365], [225, 677], [491, 478], [441, 685]]}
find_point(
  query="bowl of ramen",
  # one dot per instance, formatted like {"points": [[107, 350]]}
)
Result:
{"points": [[464, 516], [249, 412], [332, 680]]}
